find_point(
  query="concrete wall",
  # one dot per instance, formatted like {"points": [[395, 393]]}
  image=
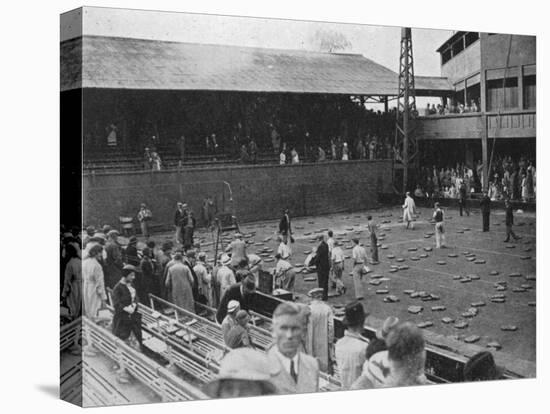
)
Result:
{"points": [[259, 192]]}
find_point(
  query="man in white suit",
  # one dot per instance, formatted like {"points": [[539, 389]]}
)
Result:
{"points": [[298, 372], [409, 210]]}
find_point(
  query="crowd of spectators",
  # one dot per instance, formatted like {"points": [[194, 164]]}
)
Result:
{"points": [[454, 108], [508, 179]]}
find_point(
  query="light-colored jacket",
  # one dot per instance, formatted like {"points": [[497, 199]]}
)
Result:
{"points": [[308, 374]]}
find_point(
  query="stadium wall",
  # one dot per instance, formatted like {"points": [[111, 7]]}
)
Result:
{"points": [[259, 192]]}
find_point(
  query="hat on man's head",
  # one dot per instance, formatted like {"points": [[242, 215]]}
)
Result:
{"points": [[202, 256], [238, 235], [244, 364], [225, 260], [113, 233], [355, 314], [90, 229], [481, 367], [388, 324], [316, 292], [106, 229], [232, 306]]}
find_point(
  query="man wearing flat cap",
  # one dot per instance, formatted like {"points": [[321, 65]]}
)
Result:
{"points": [[351, 348], [320, 331]]}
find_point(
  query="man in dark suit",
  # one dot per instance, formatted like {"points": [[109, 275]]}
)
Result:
{"points": [[244, 293], [462, 199], [485, 205], [179, 221], [285, 228], [509, 221], [322, 263]]}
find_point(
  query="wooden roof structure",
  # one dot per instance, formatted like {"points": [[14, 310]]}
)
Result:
{"points": [[124, 63]]}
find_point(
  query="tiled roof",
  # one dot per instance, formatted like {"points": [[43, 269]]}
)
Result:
{"points": [[122, 63]]}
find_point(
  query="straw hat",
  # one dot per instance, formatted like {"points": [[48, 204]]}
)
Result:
{"points": [[244, 364]]}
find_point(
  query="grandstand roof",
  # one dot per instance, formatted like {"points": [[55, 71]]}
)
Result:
{"points": [[123, 63]]}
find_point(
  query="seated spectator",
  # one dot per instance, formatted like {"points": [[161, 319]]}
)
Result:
{"points": [[401, 365], [481, 367], [238, 335], [418, 192], [243, 373]]}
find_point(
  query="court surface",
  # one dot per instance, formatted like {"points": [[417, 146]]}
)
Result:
{"points": [[515, 263]]}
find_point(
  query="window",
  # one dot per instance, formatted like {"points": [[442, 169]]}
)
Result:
{"points": [[471, 37], [501, 98], [446, 56], [530, 92], [458, 46]]}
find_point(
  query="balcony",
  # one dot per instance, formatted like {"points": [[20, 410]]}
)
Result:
{"points": [[510, 124]]}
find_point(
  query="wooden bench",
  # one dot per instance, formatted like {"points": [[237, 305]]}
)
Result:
{"points": [[151, 374], [69, 334]]}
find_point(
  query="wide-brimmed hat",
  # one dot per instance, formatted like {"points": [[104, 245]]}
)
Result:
{"points": [[225, 259], [388, 324], [315, 292], [232, 306], [113, 233], [355, 314], [482, 367], [244, 364]]}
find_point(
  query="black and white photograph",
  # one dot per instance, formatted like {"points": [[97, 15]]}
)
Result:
{"points": [[254, 206]]}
